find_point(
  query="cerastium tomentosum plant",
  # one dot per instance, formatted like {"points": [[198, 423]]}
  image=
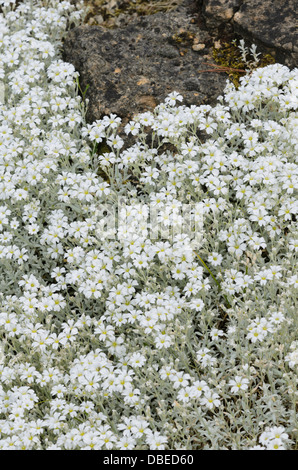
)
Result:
{"points": [[148, 292]]}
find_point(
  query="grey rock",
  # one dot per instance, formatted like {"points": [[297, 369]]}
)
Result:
{"points": [[271, 24], [133, 68], [219, 11]]}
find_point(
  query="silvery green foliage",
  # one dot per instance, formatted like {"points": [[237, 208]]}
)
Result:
{"points": [[123, 336]]}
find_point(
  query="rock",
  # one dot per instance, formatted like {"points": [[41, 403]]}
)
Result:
{"points": [[133, 68], [198, 47], [270, 24], [219, 11]]}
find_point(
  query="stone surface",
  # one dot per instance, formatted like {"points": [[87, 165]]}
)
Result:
{"points": [[219, 11], [132, 62], [272, 23], [268, 23], [116, 13], [133, 68]]}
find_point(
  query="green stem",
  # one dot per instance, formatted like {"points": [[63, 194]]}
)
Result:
{"points": [[213, 277], [210, 272]]}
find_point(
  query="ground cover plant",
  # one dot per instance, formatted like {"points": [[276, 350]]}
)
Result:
{"points": [[148, 293]]}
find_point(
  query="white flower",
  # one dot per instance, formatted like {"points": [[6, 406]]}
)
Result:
{"points": [[216, 334], [156, 441], [238, 383], [215, 259], [210, 400], [292, 358], [137, 360]]}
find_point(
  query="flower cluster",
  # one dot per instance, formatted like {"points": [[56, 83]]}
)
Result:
{"points": [[274, 438], [149, 291]]}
